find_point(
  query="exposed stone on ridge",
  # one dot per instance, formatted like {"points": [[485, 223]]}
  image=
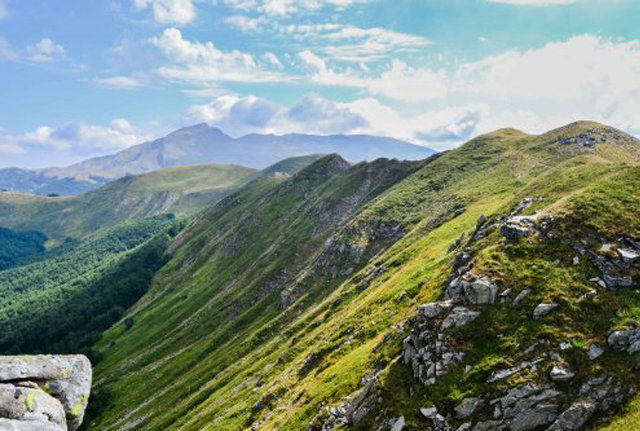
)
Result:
{"points": [[56, 390]]}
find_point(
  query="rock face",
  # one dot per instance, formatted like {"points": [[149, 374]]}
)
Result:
{"points": [[48, 393]]}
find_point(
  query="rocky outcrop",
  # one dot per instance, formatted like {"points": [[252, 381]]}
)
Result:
{"points": [[48, 393]]}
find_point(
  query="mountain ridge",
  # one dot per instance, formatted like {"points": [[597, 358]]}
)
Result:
{"points": [[203, 144]]}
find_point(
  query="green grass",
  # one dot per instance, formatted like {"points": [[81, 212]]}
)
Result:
{"points": [[179, 190], [211, 337]]}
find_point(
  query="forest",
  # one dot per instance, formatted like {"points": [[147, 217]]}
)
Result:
{"points": [[16, 246], [61, 300]]}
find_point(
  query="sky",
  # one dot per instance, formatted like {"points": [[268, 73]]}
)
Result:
{"points": [[80, 79]]}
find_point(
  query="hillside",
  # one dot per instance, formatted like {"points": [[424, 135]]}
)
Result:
{"points": [[60, 301], [198, 145], [318, 301], [179, 190]]}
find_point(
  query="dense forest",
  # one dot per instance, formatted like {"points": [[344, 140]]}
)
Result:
{"points": [[16, 246], [60, 301]]}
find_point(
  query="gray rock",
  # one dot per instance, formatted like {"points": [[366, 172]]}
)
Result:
{"points": [[398, 424], [625, 341], [539, 416], [14, 425], [34, 406], [501, 375], [490, 426], [575, 417], [480, 292], [628, 255], [467, 407], [464, 427], [590, 294], [522, 295], [561, 374], [459, 317], [595, 351], [615, 282], [435, 309], [543, 309], [66, 378], [438, 421]]}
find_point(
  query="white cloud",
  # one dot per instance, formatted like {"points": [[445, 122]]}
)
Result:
{"points": [[336, 41], [286, 8], [83, 138], [203, 63], [438, 129], [241, 115], [4, 12], [535, 2], [169, 11], [121, 81], [45, 51], [400, 82]]}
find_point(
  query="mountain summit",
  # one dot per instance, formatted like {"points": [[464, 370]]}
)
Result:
{"points": [[201, 144]]}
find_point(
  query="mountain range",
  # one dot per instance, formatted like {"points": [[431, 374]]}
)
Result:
{"points": [[491, 287], [202, 144]]}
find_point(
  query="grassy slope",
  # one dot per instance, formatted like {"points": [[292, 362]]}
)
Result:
{"points": [[197, 362], [180, 190]]}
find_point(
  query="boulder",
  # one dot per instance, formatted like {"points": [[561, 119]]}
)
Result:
{"points": [[575, 417], [628, 255], [543, 309], [398, 424], [460, 316], [539, 416], [521, 296], [467, 407], [65, 379], [31, 405], [595, 351], [435, 309], [480, 292], [625, 341], [561, 374]]}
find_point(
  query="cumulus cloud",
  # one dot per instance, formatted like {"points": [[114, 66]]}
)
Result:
{"points": [[45, 51], [241, 115], [336, 41], [399, 82], [535, 2], [203, 63], [4, 12], [169, 11], [121, 82], [83, 138], [286, 8]]}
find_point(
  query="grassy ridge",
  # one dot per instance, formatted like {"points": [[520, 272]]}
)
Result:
{"points": [[215, 348], [180, 190]]}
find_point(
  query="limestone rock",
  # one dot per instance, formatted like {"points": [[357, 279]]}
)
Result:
{"points": [[480, 292], [561, 374], [575, 417], [595, 351], [398, 424], [460, 316], [625, 341], [31, 405], [467, 407], [628, 255], [543, 309], [521, 296], [60, 381]]}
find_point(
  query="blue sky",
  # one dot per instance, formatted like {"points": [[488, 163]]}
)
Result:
{"points": [[85, 78]]}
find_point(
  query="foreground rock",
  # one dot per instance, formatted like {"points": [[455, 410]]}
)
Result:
{"points": [[43, 392]]}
